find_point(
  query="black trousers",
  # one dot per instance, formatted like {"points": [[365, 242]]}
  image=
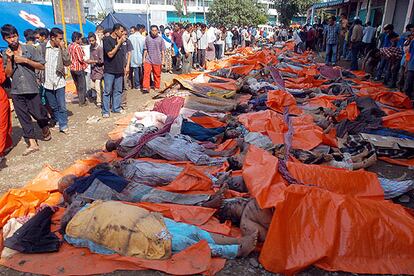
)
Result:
{"points": [[201, 56], [27, 106], [409, 84], [79, 78]]}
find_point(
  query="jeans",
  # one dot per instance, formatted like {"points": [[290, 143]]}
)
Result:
{"points": [[201, 53], [80, 82], [355, 52], [381, 67], [57, 102], [137, 77], [112, 87], [331, 50]]}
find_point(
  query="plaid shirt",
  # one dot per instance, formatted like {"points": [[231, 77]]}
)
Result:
{"points": [[332, 34], [393, 53], [77, 56]]}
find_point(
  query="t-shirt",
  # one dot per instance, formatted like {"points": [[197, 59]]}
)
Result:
{"points": [[411, 60], [114, 65], [178, 38], [154, 46]]}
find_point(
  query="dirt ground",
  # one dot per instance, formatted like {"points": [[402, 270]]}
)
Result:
{"points": [[84, 139]]}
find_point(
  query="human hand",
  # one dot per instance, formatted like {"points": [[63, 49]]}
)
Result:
{"points": [[126, 71], [62, 44], [19, 59], [121, 40], [9, 53]]}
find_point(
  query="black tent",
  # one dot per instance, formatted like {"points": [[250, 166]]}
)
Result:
{"points": [[126, 19]]}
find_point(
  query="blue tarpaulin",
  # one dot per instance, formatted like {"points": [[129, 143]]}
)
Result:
{"points": [[126, 19], [32, 16], [328, 4]]}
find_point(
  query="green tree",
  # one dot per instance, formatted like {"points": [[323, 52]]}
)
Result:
{"points": [[288, 9], [236, 12], [179, 8]]}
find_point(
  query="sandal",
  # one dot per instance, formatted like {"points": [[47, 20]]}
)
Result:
{"points": [[30, 151], [47, 136]]}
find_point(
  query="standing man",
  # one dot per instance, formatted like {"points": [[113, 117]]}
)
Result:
{"points": [[78, 66], [97, 68], [409, 82], [356, 42], [42, 37], [20, 62], [368, 38], [126, 48], [138, 43], [202, 45], [177, 38], [344, 29], [99, 33], [331, 38], [154, 54], [57, 57], [384, 42], [188, 46], [114, 62]]}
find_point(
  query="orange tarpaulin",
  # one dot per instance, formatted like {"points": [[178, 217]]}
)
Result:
{"points": [[401, 120], [267, 188], [394, 99], [190, 179], [351, 112], [306, 134], [400, 162], [336, 232], [207, 121], [279, 99]]}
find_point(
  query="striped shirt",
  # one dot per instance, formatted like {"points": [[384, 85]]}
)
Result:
{"points": [[77, 56], [154, 47], [52, 80]]}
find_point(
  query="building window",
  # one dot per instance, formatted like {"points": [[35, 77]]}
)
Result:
{"points": [[86, 10], [157, 2], [119, 1], [171, 2]]}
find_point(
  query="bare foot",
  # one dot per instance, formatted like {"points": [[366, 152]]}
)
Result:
{"points": [[247, 245], [216, 200]]}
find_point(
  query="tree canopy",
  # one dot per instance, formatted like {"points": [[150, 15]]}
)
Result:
{"points": [[288, 9], [236, 13]]}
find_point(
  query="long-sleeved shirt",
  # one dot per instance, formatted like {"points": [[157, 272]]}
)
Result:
{"points": [[77, 56], [369, 33], [332, 33], [357, 33], [188, 42], [202, 40], [138, 43]]}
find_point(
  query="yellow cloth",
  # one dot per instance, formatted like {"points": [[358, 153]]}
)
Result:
{"points": [[126, 229]]}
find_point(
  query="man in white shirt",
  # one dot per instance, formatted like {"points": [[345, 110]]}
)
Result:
{"points": [[202, 44], [138, 43], [188, 46], [219, 43], [368, 38], [57, 57]]}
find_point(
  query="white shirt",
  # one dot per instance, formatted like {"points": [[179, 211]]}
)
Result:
{"points": [[211, 35], [202, 42], [297, 38], [219, 38], [188, 42], [52, 80], [369, 33]]}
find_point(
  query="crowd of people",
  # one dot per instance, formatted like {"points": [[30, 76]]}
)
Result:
{"points": [[385, 54], [106, 63]]}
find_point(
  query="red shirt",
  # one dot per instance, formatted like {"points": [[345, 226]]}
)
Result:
{"points": [[77, 56]]}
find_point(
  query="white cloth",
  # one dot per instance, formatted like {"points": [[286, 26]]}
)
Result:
{"points": [[188, 42], [52, 80], [87, 51], [219, 37]]}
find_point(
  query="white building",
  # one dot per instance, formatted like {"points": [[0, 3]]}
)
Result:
{"points": [[164, 11]]}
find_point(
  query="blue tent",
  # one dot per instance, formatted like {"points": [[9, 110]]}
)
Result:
{"points": [[126, 19], [31, 16]]}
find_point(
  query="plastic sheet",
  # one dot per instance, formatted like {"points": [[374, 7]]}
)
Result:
{"points": [[336, 232]]}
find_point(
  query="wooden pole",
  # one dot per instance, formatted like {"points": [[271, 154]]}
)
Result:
{"points": [[79, 16], [62, 13]]}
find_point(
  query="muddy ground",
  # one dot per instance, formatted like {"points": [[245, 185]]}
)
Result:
{"points": [[85, 139]]}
